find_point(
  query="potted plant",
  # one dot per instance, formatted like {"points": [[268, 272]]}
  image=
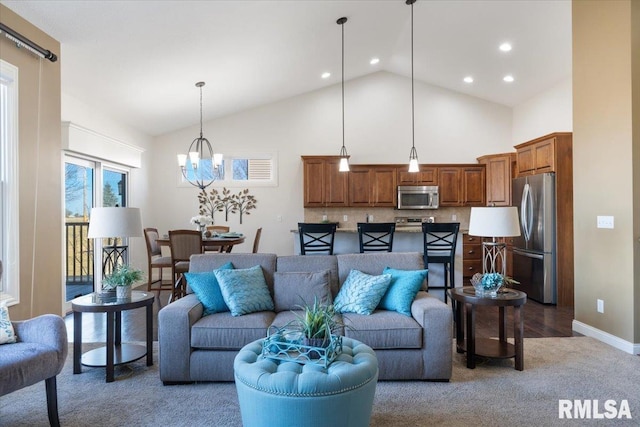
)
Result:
{"points": [[122, 278], [317, 324]]}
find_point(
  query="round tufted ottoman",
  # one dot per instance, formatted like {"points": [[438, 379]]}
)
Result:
{"points": [[277, 393]]}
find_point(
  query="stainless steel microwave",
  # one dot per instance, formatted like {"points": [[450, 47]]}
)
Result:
{"points": [[418, 197]]}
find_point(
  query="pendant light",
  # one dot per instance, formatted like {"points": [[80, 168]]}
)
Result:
{"points": [[199, 150], [344, 157], [413, 154]]}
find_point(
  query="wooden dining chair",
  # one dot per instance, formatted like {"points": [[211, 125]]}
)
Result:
{"points": [[183, 243], [256, 240], [218, 228], [155, 261]]}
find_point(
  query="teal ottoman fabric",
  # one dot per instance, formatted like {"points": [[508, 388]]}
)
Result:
{"points": [[278, 393]]}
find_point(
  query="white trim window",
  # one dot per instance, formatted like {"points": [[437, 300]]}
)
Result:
{"points": [[9, 225], [238, 170]]}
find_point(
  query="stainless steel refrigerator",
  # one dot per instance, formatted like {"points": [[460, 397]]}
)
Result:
{"points": [[534, 252]]}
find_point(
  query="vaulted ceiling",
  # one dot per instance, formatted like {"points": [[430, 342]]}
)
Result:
{"points": [[138, 61]]}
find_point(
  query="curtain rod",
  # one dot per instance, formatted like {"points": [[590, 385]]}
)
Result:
{"points": [[22, 41]]}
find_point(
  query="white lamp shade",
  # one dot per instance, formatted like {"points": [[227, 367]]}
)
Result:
{"points": [[115, 222], [494, 222]]}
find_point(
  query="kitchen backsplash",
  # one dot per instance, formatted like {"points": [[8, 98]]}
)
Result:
{"points": [[356, 215]]}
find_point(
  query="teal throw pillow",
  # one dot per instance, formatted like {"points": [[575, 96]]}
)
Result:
{"points": [[206, 287], [361, 292], [245, 290], [404, 286]]}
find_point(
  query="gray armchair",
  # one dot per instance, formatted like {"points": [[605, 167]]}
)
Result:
{"points": [[38, 354]]}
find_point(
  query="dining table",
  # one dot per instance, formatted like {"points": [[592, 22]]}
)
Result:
{"points": [[212, 244]]}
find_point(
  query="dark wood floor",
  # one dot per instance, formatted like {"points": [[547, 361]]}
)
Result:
{"points": [[539, 321]]}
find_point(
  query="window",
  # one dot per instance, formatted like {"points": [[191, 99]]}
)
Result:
{"points": [[236, 170], [9, 226]]}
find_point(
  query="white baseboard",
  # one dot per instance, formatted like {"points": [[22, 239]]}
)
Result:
{"points": [[605, 337]]}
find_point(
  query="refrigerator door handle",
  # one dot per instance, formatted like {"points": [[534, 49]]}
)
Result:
{"points": [[528, 254], [526, 213]]}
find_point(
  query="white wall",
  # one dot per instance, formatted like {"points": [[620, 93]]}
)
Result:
{"points": [[450, 128], [549, 111]]}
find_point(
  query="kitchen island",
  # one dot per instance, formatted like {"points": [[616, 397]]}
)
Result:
{"points": [[405, 239]]}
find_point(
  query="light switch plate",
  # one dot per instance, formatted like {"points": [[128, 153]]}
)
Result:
{"points": [[605, 221]]}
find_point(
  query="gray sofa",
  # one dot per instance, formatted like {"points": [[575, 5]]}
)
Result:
{"points": [[196, 348]]}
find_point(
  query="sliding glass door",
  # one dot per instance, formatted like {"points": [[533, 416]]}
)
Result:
{"points": [[88, 184]]}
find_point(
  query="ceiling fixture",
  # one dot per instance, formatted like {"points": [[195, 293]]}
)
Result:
{"points": [[413, 154], [200, 150], [468, 79], [374, 61], [505, 47], [344, 157], [326, 75], [508, 78]]}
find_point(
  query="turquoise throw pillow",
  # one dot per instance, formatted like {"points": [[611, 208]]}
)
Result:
{"points": [[206, 287], [404, 286], [361, 292], [245, 290]]}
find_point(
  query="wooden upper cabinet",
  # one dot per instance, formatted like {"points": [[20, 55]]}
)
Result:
{"points": [[473, 186], [449, 179], [500, 171], [324, 185], [539, 155], [427, 175], [462, 185], [372, 186]]}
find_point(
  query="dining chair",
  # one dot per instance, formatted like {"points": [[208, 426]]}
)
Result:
{"points": [[155, 260], [256, 240], [376, 236], [316, 238], [218, 228], [440, 248], [183, 244]]}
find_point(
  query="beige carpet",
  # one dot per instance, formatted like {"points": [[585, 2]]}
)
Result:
{"points": [[493, 394]]}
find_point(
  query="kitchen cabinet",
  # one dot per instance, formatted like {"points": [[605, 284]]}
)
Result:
{"points": [[500, 169], [549, 153], [462, 185], [471, 257], [427, 175], [372, 186], [324, 185]]}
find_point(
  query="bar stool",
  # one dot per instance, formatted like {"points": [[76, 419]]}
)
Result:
{"points": [[316, 238], [440, 248], [376, 236]]}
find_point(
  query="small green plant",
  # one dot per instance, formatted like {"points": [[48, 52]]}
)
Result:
{"points": [[317, 322], [123, 275]]}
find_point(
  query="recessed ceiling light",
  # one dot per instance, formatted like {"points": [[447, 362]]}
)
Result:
{"points": [[508, 78], [326, 75], [505, 47], [374, 61], [468, 79]]}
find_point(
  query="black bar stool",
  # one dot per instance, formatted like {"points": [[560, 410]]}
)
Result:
{"points": [[376, 236], [440, 248], [316, 238]]}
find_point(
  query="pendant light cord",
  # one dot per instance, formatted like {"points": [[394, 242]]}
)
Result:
{"points": [[413, 126], [342, 25], [200, 85]]}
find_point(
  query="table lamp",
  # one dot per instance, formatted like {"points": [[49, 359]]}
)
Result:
{"points": [[494, 222], [113, 223]]}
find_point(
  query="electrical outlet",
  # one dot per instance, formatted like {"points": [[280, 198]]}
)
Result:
{"points": [[370, 218], [454, 217], [345, 218], [324, 218], [604, 221], [600, 305]]}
